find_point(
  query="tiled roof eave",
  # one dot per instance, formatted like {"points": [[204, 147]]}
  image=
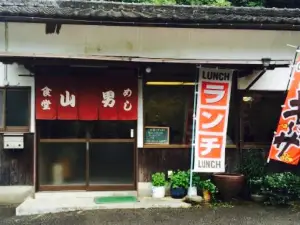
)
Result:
{"points": [[105, 11]]}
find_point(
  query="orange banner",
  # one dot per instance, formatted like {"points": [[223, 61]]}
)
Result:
{"points": [[286, 141], [214, 89]]}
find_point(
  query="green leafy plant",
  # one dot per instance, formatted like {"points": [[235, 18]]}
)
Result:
{"points": [[221, 3], [159, 179], [251, 3], [253, 163], [180, 179], [281, 188], [256, 185], [207, 185], [195, 180]]}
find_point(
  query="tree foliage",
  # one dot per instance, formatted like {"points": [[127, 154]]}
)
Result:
{"points": [[250, 3], [224, 3]]}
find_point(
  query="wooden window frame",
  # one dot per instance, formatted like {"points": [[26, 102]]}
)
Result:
{"points": [[5, 128]]}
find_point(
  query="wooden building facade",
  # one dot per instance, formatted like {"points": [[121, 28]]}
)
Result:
{"points": [[163, 54]]}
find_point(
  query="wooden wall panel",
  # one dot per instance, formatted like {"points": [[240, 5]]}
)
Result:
{"points": [[16, 166], [161, 160]]}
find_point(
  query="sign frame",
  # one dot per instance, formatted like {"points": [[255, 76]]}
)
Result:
{"points": [[157, 127]]}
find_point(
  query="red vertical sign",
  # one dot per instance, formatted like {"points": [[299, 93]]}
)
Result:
{"points": [[46, 98], [67, 108], [128, 97], [108, 91], [286, 142], [88, 98]]}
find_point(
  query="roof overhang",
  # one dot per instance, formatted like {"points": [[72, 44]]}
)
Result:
{"points": [[159, 23], [266, 80], [6, 57], [118, 13]]}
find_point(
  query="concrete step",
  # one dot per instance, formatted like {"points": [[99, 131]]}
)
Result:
{"points": [[53, 205], [81, 194], [14, 194]]}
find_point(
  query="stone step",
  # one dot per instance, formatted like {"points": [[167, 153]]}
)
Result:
{"points": [[81, 194], [14, 194], [53, 205]]}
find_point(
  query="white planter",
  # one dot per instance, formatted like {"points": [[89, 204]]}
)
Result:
{"points": [[158, 192]]}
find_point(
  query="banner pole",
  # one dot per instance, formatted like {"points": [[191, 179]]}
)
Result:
{"points": [[293, 68], [193, 129]]}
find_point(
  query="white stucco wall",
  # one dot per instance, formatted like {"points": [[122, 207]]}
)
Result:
{"points": [[149, 42], [13, 79], [2, 36]]}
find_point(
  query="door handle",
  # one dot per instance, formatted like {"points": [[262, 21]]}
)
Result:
{"points": [[132, 133]]}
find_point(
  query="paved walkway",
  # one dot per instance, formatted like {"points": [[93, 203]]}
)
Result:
{"points": [[42, 205], [237, 215]]}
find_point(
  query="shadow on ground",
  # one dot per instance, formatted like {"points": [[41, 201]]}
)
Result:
{"points": [[7, 211], [225, 214]]}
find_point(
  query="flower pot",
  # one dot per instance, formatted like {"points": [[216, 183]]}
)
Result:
{"points": [[258, 197], [158, 192], [206, 196], [229, 185], [178, 192]]}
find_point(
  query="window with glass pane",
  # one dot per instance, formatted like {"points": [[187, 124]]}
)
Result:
{"points": [[2, 108], [71, 129], [111, 129], [17, 108], [166, 106], [111, 163], [172, 106], [62, 163], [260, 115]]}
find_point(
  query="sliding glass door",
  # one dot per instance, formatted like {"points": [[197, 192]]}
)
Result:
{"points": [[86, 155], [111, 164]]}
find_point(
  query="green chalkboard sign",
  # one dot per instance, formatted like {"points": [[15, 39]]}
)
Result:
{"points": [[157, 135]]}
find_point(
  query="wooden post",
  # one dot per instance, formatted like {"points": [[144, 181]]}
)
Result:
{"points": [[239, 130]]}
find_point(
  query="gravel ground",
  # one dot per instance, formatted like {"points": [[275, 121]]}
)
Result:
{"points": [[233, 215], [7, 211]]}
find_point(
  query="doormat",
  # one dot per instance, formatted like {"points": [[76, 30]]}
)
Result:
{"points": [[115, 199]]}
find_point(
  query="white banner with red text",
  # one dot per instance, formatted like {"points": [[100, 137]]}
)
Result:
{"points": [[214, 89]]}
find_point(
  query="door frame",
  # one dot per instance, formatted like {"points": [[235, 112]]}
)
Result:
{"points": [[104, 187], [87, 186]]}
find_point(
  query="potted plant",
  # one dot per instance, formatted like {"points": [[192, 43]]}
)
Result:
{"points": [[253, 166], [256, 187], [208, 190], [179, 184], [229, 184], [158, 185]]}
